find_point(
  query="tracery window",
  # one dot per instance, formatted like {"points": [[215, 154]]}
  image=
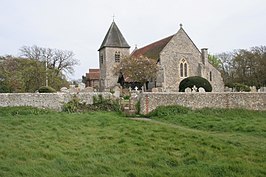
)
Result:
{"points": [[183, 68]]}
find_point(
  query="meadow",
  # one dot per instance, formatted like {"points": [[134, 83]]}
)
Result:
{"points": [[207, 142]]}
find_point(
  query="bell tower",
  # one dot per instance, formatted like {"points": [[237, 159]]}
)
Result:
{"points": [[111, 52]]}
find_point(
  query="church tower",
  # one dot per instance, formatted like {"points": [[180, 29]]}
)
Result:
{"points": [[112, 50]]}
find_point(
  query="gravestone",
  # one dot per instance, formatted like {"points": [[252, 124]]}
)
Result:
{"points": [[64, 89], [81, 86], [194, 89], [117, 91], [253, 89], [227, 89], [201, 90], [154, 90], [188, 90], [72, 89], [88, 89]]}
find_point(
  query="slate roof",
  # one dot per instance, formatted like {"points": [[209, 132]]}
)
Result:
{"points": [[152, 50], [114, 38]]}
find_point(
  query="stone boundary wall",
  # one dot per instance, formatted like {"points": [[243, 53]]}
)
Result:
{"points": [[245, 100], [45, 100]]}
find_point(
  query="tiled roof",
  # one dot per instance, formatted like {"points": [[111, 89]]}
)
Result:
{"points": [[94, 70], [114, 38], [152, 50], [94, 74]]}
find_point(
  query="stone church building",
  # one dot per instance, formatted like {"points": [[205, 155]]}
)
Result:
{"points": [[177, 56]]}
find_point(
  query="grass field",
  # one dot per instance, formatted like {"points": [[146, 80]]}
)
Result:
{"points": [[38, 143]]}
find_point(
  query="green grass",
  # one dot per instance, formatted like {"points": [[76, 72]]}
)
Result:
{"points": [[44, 143]]}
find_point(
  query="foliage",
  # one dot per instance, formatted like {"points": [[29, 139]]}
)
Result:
{"points": [[58, 60], [74, 105], [140, 69], [46, 89], [197, 81], [22, 110], [241, 87], [27, 75], [200, 143], [244, 66], [126, 97], [99, 104], [137, 106], [214, 60], [168, 111]]}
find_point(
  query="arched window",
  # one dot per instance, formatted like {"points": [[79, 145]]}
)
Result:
{"points": [[183, 68], [117, 57]]}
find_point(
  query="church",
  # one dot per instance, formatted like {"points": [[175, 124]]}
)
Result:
{"points": [[177, 57]]}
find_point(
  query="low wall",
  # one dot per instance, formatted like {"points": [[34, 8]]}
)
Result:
{"points": [[45, 100], [245, 100]]}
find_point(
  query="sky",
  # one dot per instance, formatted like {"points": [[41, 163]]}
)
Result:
{"points": [[81, 25]]}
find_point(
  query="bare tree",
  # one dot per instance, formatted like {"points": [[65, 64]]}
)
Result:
{"points": [[60, 60]]}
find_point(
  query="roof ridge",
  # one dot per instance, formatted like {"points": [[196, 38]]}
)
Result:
{"points": [[152, 50]]}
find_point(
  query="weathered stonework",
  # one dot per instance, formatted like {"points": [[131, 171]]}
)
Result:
{"points": [[245, 100], [181, 48], [46, 100], [108, 78]]}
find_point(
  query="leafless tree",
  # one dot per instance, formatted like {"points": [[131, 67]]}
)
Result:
{"points": [[60, 60]]}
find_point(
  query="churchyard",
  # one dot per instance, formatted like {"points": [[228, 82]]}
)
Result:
{"points": [[174, 141]]}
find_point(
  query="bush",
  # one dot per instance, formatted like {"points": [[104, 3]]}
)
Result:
{"points": [[99, 104], [197, 81], [74, 105], [241, 87], [46, 89], [161, 111]]}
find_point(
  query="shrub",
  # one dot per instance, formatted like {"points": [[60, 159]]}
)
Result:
{"points": [[197, 81], [46, 89], [161, 111], [126, 97], [99, 104], [137, 106], [74, 105], [241, 87]]}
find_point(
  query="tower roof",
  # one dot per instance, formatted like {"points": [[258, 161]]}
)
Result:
{"points": [[114, 38]]}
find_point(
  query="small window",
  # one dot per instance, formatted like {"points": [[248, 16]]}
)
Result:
{"points": [[210, 76], [101, 58], [117, 57]]}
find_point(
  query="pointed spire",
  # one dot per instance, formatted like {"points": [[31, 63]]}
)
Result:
{"points": [[114, 38]]}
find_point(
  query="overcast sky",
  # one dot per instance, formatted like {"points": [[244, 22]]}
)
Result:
{"points": [[80, 25]]}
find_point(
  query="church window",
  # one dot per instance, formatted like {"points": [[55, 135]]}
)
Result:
{"points": [[210, 76], [183, 68], [101, 58], [117, 56]]}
